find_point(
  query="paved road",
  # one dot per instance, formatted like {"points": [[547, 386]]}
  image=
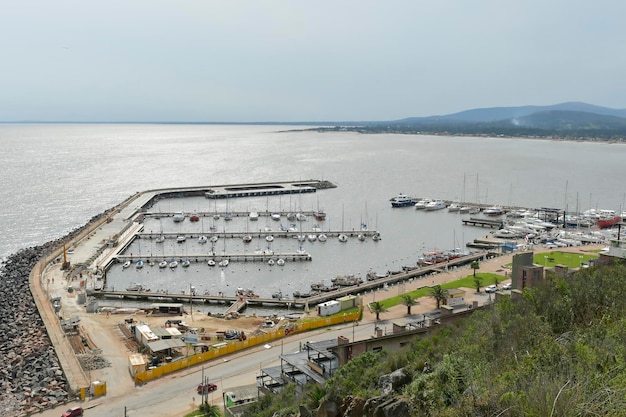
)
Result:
{"points": [[175, 395]]}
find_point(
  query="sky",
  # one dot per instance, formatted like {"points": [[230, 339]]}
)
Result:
{"points": [[289, 61]]}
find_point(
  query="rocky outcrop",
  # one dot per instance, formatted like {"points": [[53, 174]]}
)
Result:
{"points": [[393, 382]]}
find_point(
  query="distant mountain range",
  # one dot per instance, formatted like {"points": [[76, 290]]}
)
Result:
{"points": [[569, 120]]}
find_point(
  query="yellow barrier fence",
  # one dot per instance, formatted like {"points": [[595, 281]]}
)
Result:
{"points": [[251, 341]]}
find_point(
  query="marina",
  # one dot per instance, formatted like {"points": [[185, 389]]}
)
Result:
{"points": [[213, 247]]}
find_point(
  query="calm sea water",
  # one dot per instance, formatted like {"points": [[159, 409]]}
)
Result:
{"points": [[54, 178]]}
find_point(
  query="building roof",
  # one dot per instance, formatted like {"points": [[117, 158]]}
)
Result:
{"points": [[164, 344]]}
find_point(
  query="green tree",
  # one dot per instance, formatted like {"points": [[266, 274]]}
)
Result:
{"points": [[478, 282], [314, 395], [408, 301], [439, 294], [210, 410], [378, 308], [475, 265]]}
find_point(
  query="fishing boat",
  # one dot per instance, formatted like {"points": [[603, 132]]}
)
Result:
{"points": [[604, 222]]}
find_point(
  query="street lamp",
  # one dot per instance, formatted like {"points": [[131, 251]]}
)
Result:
{"points": [[545, 263], [580, 264]]}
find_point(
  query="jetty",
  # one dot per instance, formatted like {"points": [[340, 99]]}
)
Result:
{"points": [[492, 223]]}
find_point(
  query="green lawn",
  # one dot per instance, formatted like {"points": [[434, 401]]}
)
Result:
{"points": [[548, 259], [466, 282], [571, 260]]}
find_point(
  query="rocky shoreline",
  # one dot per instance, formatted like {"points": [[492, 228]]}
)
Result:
{"points": [[31, 377]]}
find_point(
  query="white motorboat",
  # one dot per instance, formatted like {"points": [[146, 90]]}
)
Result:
{"points": [[435, 205], [210, 262], [453, 207], [343, 237], [173, 264], [224, 263], [126, 264], [247, 238], [361, 237], [421, 204], [163, 264], [301, 217], [269, 238], [178, 216], [493, 211], [185, 263], [270, 262], [322, 237], [312, 237], [139, 264], [181, 239], [275, 216], [402, 200], [280, 262], [160, 239], [213, 239], [202, 239], [253, 216]]}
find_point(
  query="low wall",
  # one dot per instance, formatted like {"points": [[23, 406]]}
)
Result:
{"points": [[236, 346]]}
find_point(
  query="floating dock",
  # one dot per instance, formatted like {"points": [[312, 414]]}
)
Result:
{"points": [[494, 224]]}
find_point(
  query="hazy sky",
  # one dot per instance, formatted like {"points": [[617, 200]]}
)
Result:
{"points": [[202, 60]]}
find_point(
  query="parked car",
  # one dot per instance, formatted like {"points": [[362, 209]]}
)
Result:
{"points": [[491, 288], [507, 286], [205, 388], [73, 412]]}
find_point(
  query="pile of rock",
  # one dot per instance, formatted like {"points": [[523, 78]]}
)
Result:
{"points": [[30, 376]]}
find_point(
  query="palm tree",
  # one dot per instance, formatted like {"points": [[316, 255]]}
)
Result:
{"points": [[439, 294], [378, 307], [475, 265], [478, 281], [210, 410], [408, 301]]}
